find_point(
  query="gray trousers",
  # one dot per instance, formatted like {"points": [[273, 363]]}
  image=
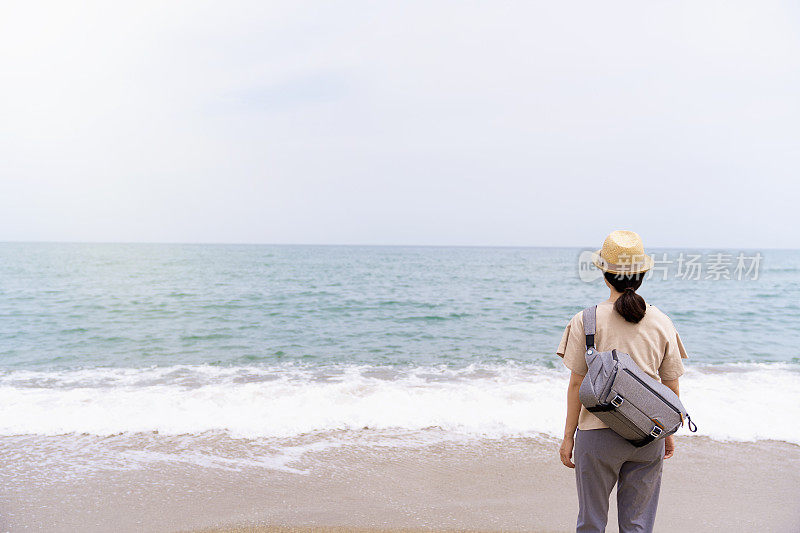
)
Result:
{"points": [[603, 459]]}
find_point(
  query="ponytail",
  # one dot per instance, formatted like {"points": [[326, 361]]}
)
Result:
{"points": [[630, 305]]}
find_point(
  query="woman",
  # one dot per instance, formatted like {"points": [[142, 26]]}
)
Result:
{"points": [[602, 458]]}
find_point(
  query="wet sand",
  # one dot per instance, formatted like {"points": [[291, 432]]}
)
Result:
{"points": [[490, 485]]}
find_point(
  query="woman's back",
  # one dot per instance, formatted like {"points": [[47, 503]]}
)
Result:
{"points": [[653, 343]]}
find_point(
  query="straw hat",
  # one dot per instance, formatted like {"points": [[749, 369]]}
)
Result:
{"points": [[622, 253]]}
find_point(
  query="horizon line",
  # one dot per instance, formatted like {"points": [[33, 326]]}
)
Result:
{"points": [[365, 245]]}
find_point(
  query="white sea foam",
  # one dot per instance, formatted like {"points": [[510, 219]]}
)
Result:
{"points": [[734, 402]]}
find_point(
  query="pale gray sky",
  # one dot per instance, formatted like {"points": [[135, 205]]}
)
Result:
{"points": [[499, 123]]}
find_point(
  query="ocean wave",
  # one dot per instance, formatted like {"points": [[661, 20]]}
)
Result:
{"points": [[741, 402]]}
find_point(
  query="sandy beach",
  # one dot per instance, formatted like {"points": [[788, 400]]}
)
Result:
{"points": [[484, 485]]}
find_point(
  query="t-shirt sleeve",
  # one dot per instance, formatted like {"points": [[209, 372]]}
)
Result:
{"points": [[672, 365], [573, 345]]}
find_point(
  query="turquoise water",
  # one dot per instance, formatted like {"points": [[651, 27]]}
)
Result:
{"points": [[66, 306], [279, 342]]}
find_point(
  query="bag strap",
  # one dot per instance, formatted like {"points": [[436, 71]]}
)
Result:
{"points": [[589, 323]]}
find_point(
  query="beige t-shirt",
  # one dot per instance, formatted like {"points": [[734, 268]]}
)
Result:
{"points": [[653, 343]]}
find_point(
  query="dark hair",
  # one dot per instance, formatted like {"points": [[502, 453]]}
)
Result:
{"points": [[630, 305]]}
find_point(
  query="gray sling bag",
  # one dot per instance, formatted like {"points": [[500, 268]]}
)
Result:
{"points": [[638, 407]]}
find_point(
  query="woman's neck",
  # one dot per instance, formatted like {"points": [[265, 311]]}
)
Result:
{"points": [[614, 295]]}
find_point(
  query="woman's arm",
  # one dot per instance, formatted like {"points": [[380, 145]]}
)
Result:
{"points": [[669, 442], [672, 384], [573, 410]]}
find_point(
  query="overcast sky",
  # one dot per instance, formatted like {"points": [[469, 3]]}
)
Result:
{"points": [[478, 123]]}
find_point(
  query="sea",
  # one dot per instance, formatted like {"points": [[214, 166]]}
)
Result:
{"points": [[119, 356]]}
